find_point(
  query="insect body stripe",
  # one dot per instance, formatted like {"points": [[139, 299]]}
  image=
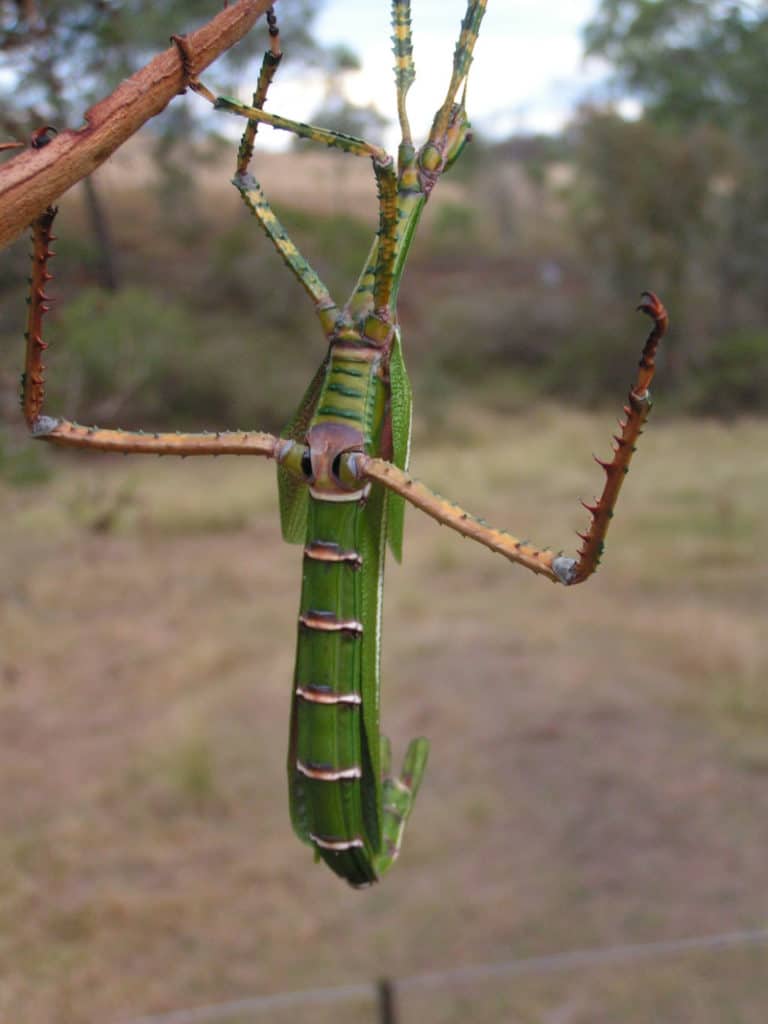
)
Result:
{"points": [[347, 372], [316, 695], [342, 496], [323, 774], [355, 353], [335, 410], [344, 389], [337, 845], [329, 551], [326, 622]]}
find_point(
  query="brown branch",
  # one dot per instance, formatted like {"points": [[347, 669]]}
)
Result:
{"points": [[34, 179]]}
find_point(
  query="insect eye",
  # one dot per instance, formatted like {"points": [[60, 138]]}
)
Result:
{"points": [[306, 464]]}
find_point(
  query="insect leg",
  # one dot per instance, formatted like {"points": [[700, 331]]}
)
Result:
{"points": [[65, 432], [636, 413], [556, 567], [256, 201], [386, 181], [446, 512], [398, 796], [258, 204], [253, 195], [269, 65], [324, 136], [33, 377], [405, 72], [462, 58], [375, 287]]}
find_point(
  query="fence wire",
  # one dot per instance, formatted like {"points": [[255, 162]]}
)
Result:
{"points": [[461, 976]]}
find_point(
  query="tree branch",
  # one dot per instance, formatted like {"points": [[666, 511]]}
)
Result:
{"points": [[37, 177]]}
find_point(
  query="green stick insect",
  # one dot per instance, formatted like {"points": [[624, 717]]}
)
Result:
{"points": [[342, 469]]}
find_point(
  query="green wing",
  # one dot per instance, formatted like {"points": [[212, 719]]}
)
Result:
{"points": [[291, 491], [400, 411], [372, 541]]}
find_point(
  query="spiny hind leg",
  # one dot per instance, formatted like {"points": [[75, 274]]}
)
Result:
{"points": [[398, 796], [67, 434], [33, 378], [73, 435], [545, 561], [636, 412]]}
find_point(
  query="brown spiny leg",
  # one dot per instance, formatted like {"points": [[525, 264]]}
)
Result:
{"points": [[33, 378], [73, 435], [269, 65], [557, 567], [635, 414], [66, 434], [539, 560]]}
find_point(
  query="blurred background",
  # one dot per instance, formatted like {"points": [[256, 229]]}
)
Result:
{"points": [[599, 756]]}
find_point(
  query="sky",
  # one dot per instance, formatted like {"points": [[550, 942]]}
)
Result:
{"points": [[527, 75]]}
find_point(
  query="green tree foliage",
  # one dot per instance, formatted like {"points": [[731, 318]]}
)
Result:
{"points": [[684, 190], [650, 212], [690, 61]]}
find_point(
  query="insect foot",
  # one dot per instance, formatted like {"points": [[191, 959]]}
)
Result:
{"points": [[564, 568], [44, 425]]}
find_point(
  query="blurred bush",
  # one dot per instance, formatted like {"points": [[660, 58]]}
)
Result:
{"points": [[733, 378], [131, 354], [22, 462]]}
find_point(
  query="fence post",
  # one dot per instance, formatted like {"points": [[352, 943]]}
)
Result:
{"points": [[385, 999]]}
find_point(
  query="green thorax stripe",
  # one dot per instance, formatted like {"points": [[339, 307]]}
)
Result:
{"points": [[348, 371], [349, 390], [338, 411], [345, 390]]}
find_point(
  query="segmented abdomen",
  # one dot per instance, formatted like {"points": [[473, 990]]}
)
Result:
{"points": [[332, 777]]}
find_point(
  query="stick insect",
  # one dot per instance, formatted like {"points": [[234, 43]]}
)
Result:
{"points": [[342, 467]]}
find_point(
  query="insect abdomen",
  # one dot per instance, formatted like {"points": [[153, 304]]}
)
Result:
{"points": [[332, 781]]}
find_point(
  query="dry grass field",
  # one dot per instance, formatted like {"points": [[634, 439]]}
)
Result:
{"points": [[599, 761]]}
